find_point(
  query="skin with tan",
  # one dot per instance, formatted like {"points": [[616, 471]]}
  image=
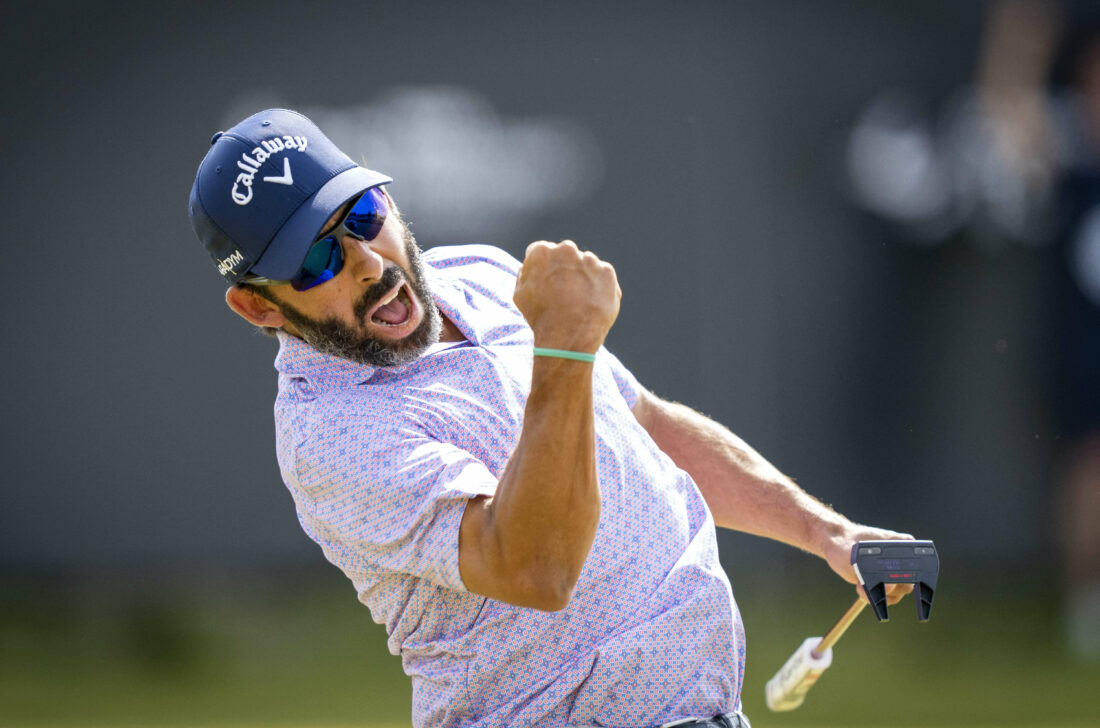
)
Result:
{"points": [[526, 545], [364, 262]]}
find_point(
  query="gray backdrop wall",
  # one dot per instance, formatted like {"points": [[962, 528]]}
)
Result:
{"points": [[696, 145]]}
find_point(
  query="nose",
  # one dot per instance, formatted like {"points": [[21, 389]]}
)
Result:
{"points": [[361, 260]]}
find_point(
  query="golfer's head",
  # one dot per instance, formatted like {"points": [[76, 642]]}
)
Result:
{"points": [[265, 190], [311, 242]]}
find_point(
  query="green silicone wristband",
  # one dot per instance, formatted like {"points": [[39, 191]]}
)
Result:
{"points": [[565, 354]]}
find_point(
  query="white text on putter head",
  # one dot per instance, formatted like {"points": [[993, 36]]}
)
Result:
{"points": [[227, 265], [250, 162]]}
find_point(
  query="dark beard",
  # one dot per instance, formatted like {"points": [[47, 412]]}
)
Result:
{"points": [[332, 336]]}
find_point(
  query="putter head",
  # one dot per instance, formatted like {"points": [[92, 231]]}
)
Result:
{"points": [[878, 563]]}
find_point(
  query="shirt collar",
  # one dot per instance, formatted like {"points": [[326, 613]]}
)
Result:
{"points": [[323, 372], [457, 304]]}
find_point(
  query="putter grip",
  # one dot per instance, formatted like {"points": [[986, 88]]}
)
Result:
{"points": [[788, 687]]}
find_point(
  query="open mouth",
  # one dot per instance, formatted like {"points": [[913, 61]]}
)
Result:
{"points": [[396, 311]]}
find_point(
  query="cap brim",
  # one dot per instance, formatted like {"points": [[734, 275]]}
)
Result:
{"points": [[287, 251]]}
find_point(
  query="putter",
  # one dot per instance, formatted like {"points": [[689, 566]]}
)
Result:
{"points": [[876, 563]]}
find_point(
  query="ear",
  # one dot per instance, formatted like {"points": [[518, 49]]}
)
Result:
{"points": [[254, 308]]}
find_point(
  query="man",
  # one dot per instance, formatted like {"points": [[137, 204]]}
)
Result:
{"points": [[534, 528]]}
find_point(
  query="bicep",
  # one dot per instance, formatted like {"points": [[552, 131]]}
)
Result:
{"points": [[679, 431], [485, 569]]}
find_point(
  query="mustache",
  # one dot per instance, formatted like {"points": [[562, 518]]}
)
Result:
{"points": [[390, 278]]}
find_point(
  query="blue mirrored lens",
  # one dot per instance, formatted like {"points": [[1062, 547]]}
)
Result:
{"points": [[326, 256], [368, 215], [324, 260]]}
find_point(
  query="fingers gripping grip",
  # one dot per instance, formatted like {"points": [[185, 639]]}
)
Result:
{"points": [[878, 563]]}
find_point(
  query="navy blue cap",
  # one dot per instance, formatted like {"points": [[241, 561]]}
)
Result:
{"points": [[264, 191]]}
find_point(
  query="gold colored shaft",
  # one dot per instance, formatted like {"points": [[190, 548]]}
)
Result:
{"points": [[837, 630]]}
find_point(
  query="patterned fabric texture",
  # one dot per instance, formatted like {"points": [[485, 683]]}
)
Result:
{"points": [[381, 463]]}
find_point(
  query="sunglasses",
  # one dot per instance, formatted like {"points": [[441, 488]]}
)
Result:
{"points": [[326, 256]]}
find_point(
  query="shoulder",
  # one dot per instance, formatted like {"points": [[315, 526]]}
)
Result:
{"points": [[344, 431]]}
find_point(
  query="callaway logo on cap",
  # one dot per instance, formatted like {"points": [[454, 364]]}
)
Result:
{"points": [[242, 188], [264, 191]]}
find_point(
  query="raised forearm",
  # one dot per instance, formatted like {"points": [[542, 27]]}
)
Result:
{"points": [[528, 543], [543, 518]]}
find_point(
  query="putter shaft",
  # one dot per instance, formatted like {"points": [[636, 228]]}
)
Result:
{"points": [[837, 630]]}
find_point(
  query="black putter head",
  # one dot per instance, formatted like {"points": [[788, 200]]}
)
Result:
{"points": [[878, 563]]}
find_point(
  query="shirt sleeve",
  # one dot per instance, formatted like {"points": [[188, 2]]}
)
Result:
{"points": [[387, 500], [624, 379]]}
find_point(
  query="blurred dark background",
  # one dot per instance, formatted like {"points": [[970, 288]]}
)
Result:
{"points": [[782, 186]]}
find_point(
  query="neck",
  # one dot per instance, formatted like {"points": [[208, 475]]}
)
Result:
{"points": [[450, 332]]}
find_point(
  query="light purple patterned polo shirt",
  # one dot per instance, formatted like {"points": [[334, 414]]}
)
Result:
{"points": [[381, 463]]}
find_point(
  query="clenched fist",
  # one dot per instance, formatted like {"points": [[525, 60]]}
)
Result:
{"points": [[569, 298]]}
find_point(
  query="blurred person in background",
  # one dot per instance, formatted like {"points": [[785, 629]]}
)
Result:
{"points": [[1079, 352], [1015, 160]]}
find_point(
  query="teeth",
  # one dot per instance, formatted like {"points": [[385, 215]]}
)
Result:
{"points": [[398, 293], [384, 301]]}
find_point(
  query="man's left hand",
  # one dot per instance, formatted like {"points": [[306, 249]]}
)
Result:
{"points": [[838, 553]]}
